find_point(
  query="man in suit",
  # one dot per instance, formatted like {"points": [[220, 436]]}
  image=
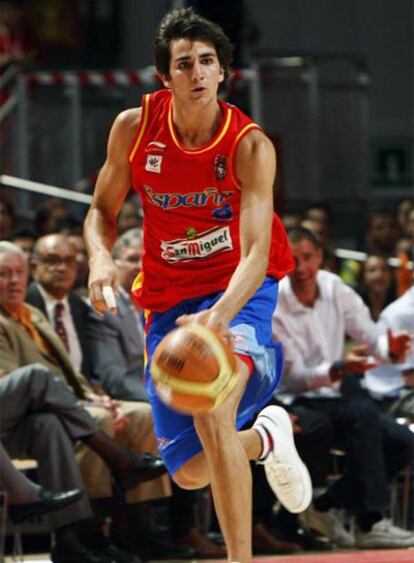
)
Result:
{"points": [[116, 342], [27, 338]]}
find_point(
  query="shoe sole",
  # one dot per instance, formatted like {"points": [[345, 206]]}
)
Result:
{"points": [[296, 462]]}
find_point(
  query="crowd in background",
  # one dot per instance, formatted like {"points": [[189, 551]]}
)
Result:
{"points": [[108, 354]]}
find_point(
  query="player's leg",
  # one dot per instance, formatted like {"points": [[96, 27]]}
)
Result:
{"points": [[229, 472]]}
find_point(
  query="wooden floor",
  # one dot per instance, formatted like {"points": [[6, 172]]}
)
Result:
{"points": [[372, 556]]}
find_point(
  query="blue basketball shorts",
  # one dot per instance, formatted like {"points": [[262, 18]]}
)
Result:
{"points": [[252, 333]]}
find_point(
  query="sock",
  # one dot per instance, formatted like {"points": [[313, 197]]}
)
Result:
{"points": [[267, 441], [19, 487], [115, 455]]}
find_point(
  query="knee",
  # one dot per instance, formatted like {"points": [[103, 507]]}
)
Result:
{"points": [[193, 474], [33, 373], [47, 422]]}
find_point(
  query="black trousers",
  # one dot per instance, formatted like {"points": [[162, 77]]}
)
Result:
{"points": [[377, 449]]}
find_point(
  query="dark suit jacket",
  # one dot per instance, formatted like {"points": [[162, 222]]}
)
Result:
{"points": [[79, 311], [117, 349]]}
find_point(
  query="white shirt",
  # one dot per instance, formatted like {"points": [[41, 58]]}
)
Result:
{"points": [[75, 351], [399, 315], [313, 337]]}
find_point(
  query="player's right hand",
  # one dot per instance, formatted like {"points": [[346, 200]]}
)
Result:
{"points": [[102, 285]]}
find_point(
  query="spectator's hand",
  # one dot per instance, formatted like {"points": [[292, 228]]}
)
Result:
{"points": [[121, 421], [356, 360], [98, 389], [399, 345]]}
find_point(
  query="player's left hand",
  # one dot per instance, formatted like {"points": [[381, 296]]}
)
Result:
{"points": [[208, 318], [399, 345]]}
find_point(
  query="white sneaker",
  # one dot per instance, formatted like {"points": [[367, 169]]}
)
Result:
{"points": [[385, 534], [330, 524], [286, 473]]}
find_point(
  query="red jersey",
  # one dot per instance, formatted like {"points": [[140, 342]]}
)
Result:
{"points": [[191, 203]]}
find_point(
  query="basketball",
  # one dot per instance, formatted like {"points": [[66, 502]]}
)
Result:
{"points": [[194, 369]]}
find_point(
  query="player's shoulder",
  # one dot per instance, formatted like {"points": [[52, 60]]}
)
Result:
{"points": [[255, 144], [129, 118], [125, 125]]}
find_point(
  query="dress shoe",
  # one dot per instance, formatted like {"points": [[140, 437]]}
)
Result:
{"points": [[48, 501], [140, 468], [264, 542], [154, 548], [204, 548], [108, 549], [77, 553]]}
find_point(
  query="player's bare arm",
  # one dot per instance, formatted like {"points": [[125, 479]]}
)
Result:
{"points": [[256, 169], [113, 184]]}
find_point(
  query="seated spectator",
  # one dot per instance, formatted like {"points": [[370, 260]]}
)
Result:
{"points": [[404, 207], [25, 238], [28, 338], [377, 285], [42, 419], [382, 233], [396, 380], [319, 212], [319, 230], [290, 219], [130, 216], [27, 500], [7, 218], [48, 215], [116, 342], [315, 312]]}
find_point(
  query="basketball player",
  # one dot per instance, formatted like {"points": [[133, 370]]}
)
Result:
{"points": [[213, 254]]}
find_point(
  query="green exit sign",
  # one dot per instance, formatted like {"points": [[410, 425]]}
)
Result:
{"points": [[392, 161]]}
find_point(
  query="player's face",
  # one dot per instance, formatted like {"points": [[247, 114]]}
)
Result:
{"points": [[308, 260], [195, 71]]}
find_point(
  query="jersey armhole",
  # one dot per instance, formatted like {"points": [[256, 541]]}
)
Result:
{"points": [[242, 133], [141, 127]]}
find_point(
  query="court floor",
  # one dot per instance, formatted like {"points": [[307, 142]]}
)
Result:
{"points": [[371, 556]]}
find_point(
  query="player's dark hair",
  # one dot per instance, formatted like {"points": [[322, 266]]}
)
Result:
{"points": [[297, 234], [185, 23]]}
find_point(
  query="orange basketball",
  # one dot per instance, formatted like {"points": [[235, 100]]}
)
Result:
{"points": [[193, 369]]}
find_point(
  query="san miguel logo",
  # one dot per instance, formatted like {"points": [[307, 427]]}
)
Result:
{"points": [[220, 166], [196, 247]]}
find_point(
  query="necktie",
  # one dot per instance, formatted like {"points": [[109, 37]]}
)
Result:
{"points": [[24, 318], [59, 326]]}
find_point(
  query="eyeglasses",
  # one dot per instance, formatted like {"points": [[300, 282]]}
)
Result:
{"points": [[55, 260]]}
